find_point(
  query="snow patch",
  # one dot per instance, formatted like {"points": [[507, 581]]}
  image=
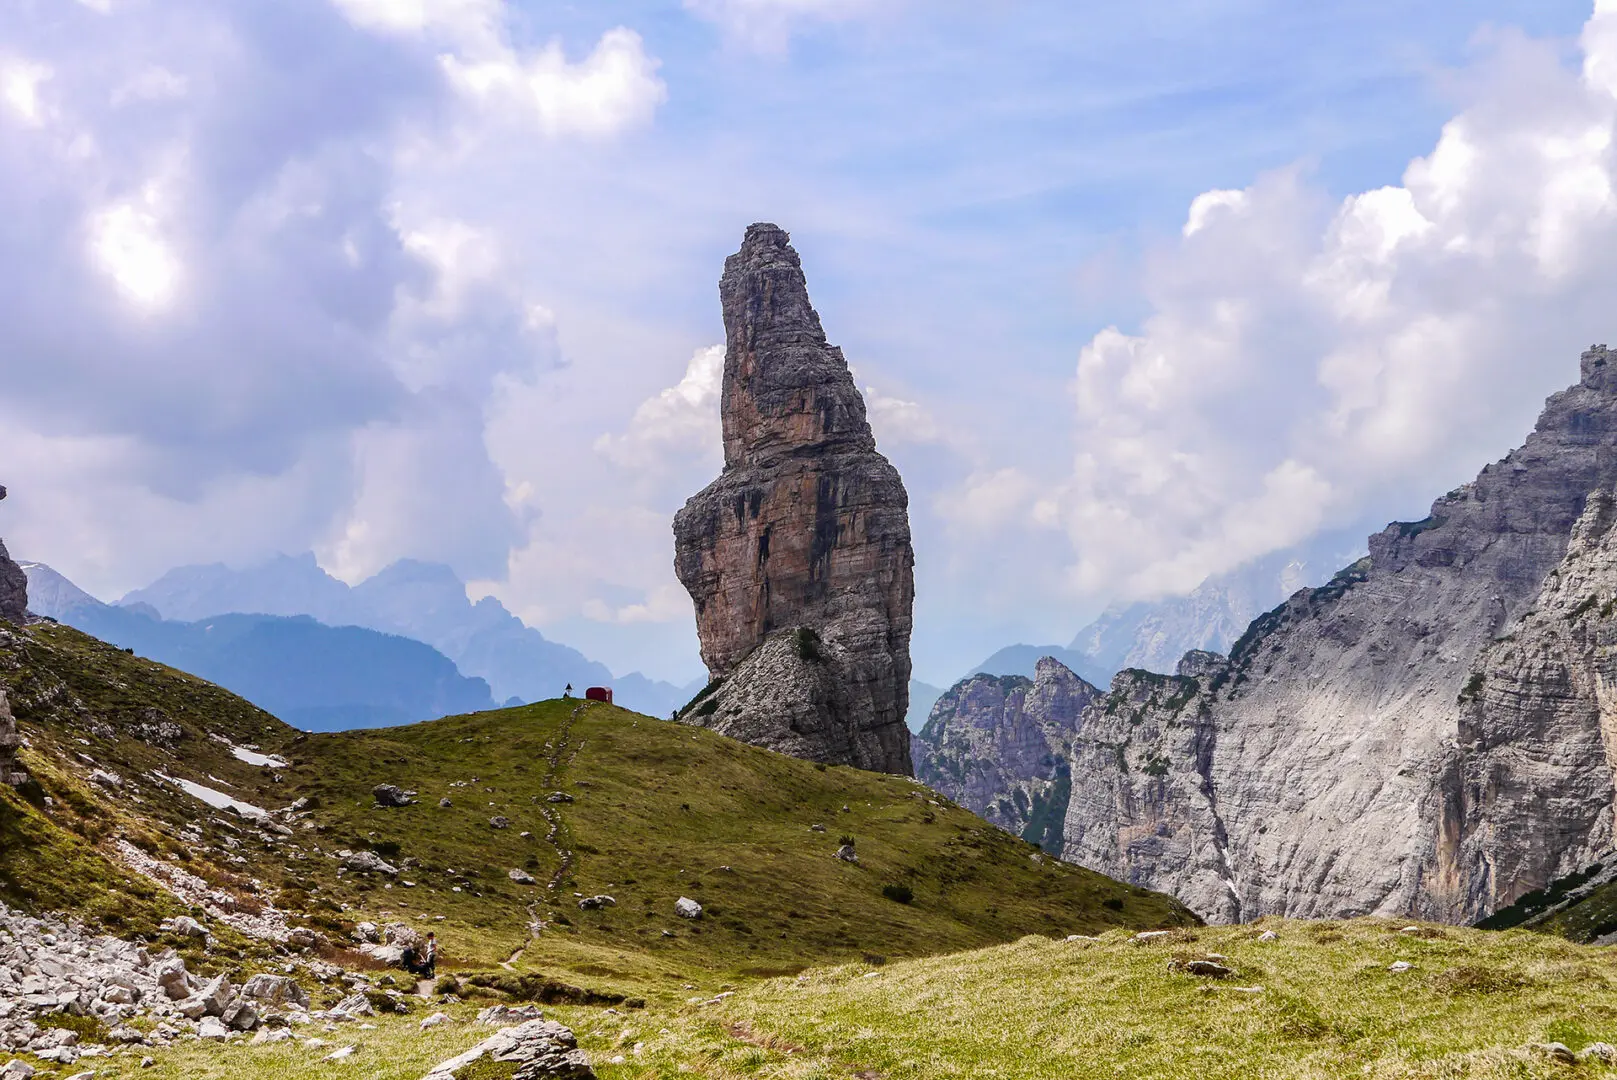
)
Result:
{"points": [[253, 757], [214, 798]]}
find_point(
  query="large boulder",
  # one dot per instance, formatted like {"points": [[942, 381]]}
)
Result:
{"points": [[798, 556], [538, 1048], [274, 990]]}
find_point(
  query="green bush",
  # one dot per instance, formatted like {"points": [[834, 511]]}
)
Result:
{"points": [[807, 643], [899, 894]]}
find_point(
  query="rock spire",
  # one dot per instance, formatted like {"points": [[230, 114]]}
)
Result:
{"points": [[798, 556]]}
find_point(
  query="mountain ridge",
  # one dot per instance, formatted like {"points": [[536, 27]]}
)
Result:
{"points": [[419, 600]]}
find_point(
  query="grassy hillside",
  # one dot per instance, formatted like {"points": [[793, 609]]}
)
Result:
{"points": [[653, 812], [1318, 1002]]}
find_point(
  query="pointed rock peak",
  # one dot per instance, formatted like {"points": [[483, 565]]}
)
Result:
{"points": [[785, 389], [1049, 669]]}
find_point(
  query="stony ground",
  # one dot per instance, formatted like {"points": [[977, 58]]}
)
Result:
{"points": [[1275, 1001]]}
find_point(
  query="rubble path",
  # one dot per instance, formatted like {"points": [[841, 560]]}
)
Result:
{"points": [[561, 750]]}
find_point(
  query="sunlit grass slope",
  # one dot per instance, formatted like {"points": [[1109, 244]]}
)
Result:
{"points": [[1319, 1001], [646, 812]]}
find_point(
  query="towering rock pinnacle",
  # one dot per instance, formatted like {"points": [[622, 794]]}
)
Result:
{"points": [[798, 556]]}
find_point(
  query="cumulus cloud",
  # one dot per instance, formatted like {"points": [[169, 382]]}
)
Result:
{"points": [[895, 420], [678, 424], [1306, 359], [768, 24], [614, 88], [20, 82], [226, 330]]}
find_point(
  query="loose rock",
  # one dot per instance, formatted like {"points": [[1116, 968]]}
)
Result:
{"points": [[539, 1048], [393, 795]]}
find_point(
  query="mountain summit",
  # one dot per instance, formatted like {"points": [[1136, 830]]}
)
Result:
{"points": [[798, 556], [1428, 734]]}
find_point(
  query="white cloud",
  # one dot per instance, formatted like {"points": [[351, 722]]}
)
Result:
{"points": [[614, 88], [20, 81], [470, 19], [681, 422], [895, 420], [1205, 205], [768, 24], [127, 242], [1304, 361]]}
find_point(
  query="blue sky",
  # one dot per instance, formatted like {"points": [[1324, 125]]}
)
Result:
{"points": [[436, 278]]}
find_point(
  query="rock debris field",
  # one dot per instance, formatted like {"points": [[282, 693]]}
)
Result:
{"points": [[51, 971]]}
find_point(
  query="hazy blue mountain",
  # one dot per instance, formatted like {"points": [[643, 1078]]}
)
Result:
{"points": [[52, 595], [1153, 635], [922, 697], [424, 601], [313, 676]]}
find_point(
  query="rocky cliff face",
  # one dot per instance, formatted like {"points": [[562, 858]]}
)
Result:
{"points": [[11, 771], [1331, 768], [806, 529], [998, 745], [1529, 795], [13, 586]]}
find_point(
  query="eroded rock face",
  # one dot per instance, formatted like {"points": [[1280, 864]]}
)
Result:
{"points": [[806, 529], [1344, 762], [999, 746], [11, 770], [1530, 795], [13, 585]]}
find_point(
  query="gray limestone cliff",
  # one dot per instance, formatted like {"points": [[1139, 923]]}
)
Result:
{"points": [[998, 745], [1420, 736], [798, 556]]}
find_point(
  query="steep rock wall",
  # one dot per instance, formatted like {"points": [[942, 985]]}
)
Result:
{"points": [[999, 746], [1323, 772]]}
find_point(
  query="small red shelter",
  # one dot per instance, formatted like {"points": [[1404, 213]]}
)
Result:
{"points": [[599, 693]]}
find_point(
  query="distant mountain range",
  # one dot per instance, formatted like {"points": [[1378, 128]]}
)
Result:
{"points": [[294, 603], [316, 677], [1152, 636], [419, 600]]}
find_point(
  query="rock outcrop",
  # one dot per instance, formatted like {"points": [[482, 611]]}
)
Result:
{"points": [[1425, 735], [13, 585], [999, 746], [798, 556], [11, 771]]}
